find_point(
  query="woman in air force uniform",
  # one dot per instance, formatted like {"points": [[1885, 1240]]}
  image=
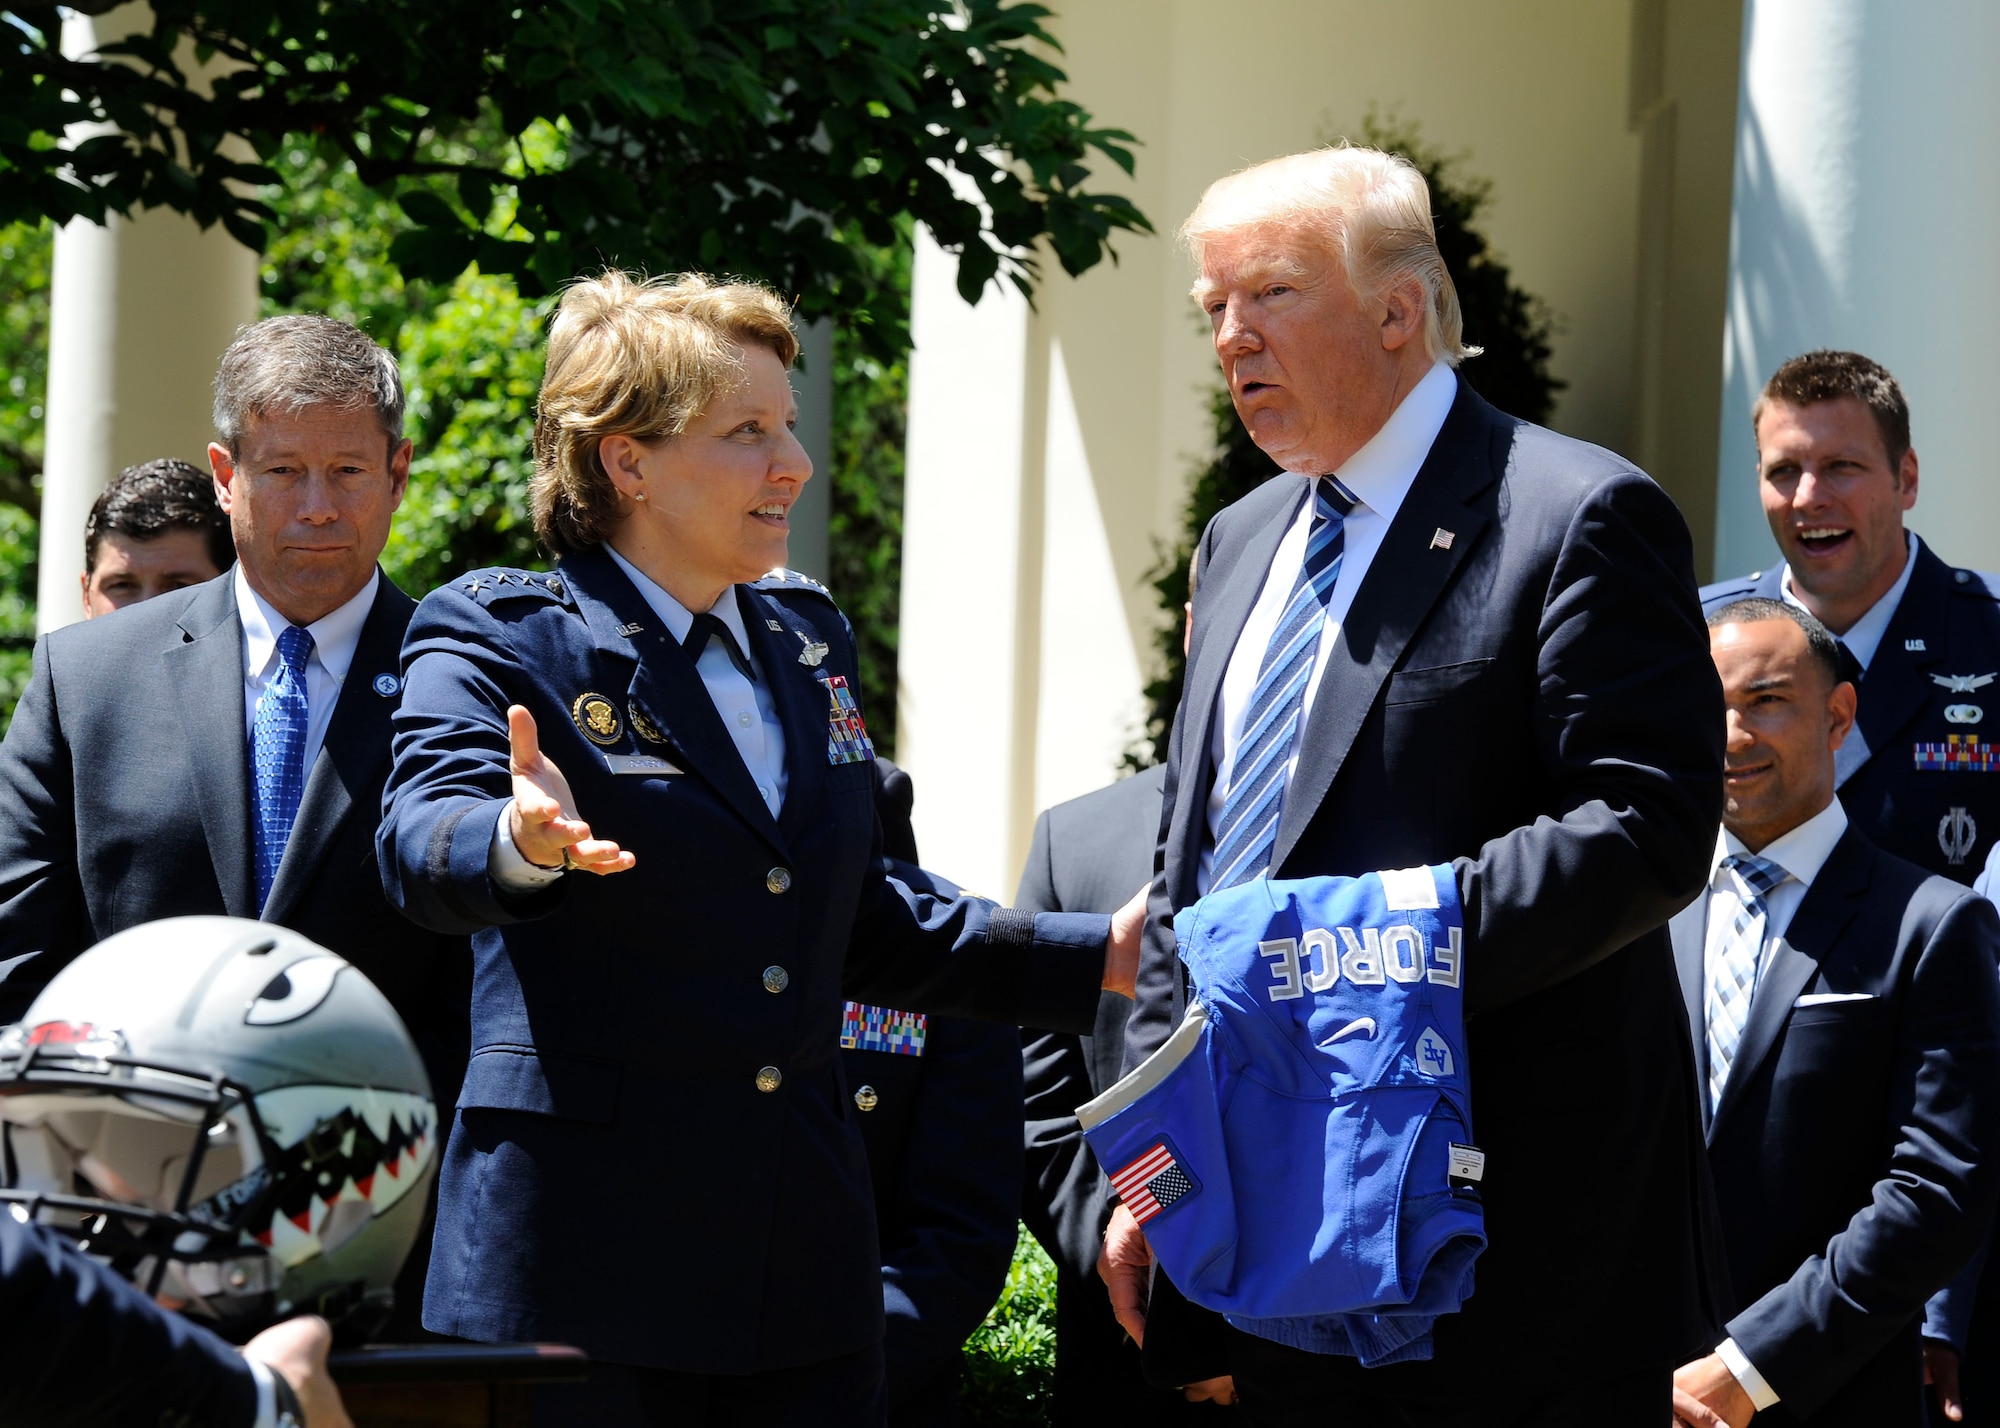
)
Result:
{"points": [[654, 1156]]}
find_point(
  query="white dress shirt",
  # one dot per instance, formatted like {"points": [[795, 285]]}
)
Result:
{"points": [[1379, 475], [1864, 636], [747, 709], [1802, 852], [334, 640]]}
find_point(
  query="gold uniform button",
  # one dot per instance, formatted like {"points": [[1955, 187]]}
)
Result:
{"points": [[769, 1078], [776, 979], [866, 1099], [778, 880]]}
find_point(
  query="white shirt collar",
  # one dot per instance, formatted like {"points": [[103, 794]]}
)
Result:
{"points": [[1802, 851], [1864, 636], [1381, 472], [679, 619], [335, 637]]}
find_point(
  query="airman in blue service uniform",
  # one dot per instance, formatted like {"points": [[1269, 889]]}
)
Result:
{"points": [[1919, 775], [655, 1156], [939, 1100]]}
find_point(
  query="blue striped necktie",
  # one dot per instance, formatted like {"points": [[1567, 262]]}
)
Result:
{"points": [[278, 755], [1733, 979], [1247, 832]]}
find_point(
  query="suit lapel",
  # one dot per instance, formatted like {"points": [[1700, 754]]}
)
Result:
{"points": [[803, 703], [1829, 905], [353, 753], [1689, 933], [665, 685], [1405, 579], [1897, 684], [205, 667]]}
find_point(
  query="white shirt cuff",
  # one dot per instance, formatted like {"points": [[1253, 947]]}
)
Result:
{"points": [[267, 1396], [1762, 1395], [507, 866]]}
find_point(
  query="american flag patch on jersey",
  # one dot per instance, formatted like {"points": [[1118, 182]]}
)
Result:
{"points": [[1152, 1182]]}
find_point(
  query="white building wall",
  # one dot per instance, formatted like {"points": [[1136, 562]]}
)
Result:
{"points": [[1865, 206]]}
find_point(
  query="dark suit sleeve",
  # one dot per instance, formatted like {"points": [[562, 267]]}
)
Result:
{"points": [[41, 900], [80, 1347], [1932, 1204], [955, 1212], [1064, 1204], [1628, 731]]}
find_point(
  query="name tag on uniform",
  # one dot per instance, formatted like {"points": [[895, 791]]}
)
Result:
{"points": [[641, 764], [866, 1028]]}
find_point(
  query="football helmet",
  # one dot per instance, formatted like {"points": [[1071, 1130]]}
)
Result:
{"points": [[229, 1115]]}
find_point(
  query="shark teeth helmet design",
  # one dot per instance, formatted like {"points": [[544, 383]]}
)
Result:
{"points": [[227, 1114]]}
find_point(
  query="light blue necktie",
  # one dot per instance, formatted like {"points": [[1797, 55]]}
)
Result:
{"points": [[278, 755], [1734, 977], [1247, 832]]}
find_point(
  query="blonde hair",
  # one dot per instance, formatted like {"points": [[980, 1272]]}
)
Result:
{"points": [[638, 357], [1368, 210]]}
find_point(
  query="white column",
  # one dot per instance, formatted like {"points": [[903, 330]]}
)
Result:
{"points": [[971, 577], [1865, 206], [139, 312]]}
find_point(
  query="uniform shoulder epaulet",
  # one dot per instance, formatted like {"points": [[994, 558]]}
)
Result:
{"points": [[498, 583], [783, 579], [1736, 587], [1976, 582]]}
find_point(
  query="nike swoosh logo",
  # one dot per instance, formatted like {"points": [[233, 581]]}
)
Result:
{"points": [[1361, 1025]]}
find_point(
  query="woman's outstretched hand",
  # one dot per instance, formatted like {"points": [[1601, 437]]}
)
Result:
{"points": [[545, 827]]}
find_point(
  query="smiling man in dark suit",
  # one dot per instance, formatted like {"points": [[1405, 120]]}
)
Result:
{"points": [[222, 748], [1451, 635], [1848, 1020]]}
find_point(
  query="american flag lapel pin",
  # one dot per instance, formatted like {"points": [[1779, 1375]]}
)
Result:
{"points": [[1441, 539]]}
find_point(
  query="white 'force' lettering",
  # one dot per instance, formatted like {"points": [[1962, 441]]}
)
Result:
{"points": [[1321, 957], [1361, 963], [1449, 960], [1403, 953], [1285, 984]]}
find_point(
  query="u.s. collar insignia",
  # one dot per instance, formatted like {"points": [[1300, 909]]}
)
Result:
{"points": [[597, 717], [642, 726], [814, 651], [1963, 683], [387, 685]]}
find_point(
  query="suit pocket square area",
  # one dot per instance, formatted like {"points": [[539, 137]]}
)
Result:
{"points": [[1821, 999]]}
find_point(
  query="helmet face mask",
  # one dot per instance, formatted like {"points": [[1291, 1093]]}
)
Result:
{"points": [[250, 1137]]}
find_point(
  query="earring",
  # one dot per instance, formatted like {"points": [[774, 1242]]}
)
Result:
{"points": [[638, 495]]}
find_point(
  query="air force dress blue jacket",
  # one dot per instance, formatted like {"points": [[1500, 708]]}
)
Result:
{"points": [[1291, 1151], [656, 1155]]}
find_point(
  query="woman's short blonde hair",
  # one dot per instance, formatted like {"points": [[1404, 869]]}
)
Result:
{"points": [[1367, 210], [638, 357]]}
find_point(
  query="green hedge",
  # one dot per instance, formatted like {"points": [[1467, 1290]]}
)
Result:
{"points": [[1010, 1360]]}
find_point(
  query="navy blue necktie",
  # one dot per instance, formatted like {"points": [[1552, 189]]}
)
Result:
{"points": [[1247, 833], [278, 755]]}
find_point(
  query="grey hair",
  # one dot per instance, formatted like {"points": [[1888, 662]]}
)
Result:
{"points": [[286, 364], [1368, 210]]}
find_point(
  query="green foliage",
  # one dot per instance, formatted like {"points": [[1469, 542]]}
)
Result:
{"points": [[765, 137], [1514, 328], [26, 250], [1010, 1360], [20, 542]]}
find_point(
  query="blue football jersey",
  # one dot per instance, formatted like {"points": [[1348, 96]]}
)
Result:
{"points": [[1299, 1152]]}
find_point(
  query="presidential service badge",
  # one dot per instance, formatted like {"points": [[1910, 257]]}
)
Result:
{"points": [[596, 717]]}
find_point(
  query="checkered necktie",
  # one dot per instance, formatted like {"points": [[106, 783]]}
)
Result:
{"points": [[278, 755], [1734, 976], [1247, 832]]}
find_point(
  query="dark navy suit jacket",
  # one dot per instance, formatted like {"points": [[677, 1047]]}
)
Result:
{"points": [[1946, 628], [80, 1347], [1522, 685], [615, 1178], [125, 797], [946, 1167], [1852, 1145]]}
